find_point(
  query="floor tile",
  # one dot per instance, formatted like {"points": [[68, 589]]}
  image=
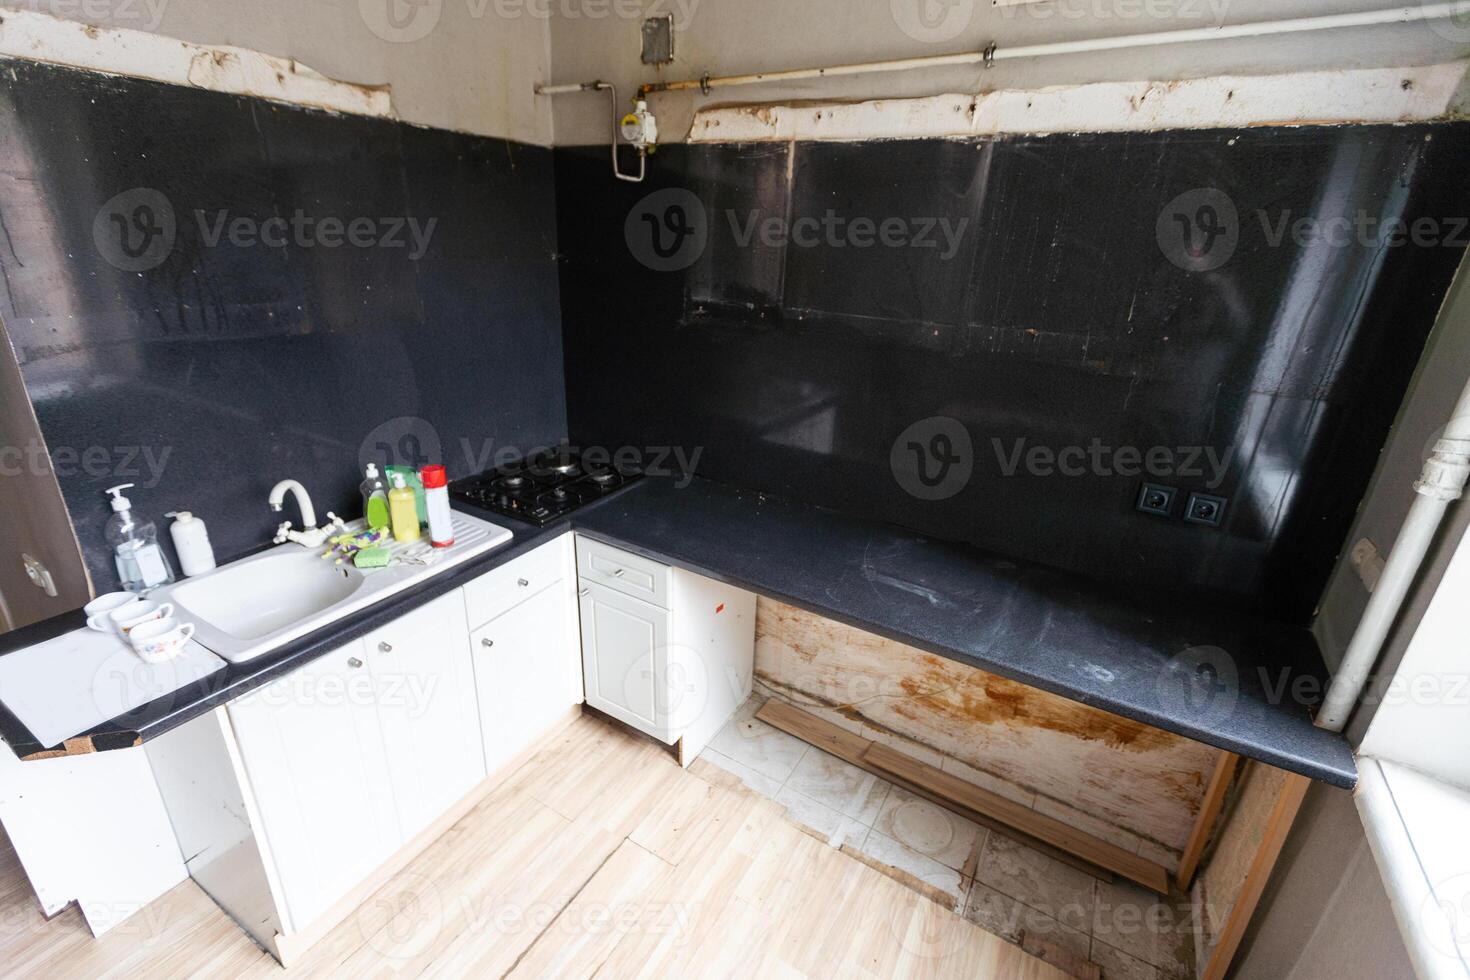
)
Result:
{"points": [[1009, 918], [837, 828], [758, 746], [764, 785], [1058, 890], [931, 872], [1145, 926], [1118, 965], [928, 829], [839, 786]]}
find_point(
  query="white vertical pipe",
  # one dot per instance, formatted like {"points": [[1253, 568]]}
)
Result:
{"points": [[1442, 482]]}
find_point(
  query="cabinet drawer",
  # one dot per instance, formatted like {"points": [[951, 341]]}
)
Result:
{"points": [[497, 591], [622, 572]]}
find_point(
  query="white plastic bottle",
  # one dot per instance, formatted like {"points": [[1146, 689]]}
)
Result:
{"points": [[141, 563], [436, 496], [191, 541]]}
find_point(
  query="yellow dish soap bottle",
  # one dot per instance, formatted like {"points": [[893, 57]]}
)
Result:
{"points": [[403, 511]]}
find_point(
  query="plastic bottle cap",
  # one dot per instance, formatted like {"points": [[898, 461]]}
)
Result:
{"points": [[181, 516], [398, 482], [372, 471], [119, 502], [433, 477]]}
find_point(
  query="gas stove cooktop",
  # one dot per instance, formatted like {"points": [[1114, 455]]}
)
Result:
{"points": [[544, 487]]}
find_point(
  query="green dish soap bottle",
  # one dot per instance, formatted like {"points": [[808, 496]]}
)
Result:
{"points": [[374, 499]]}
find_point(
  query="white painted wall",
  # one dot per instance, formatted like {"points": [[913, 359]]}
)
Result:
{"points": [[466, 65], [740, 36]]}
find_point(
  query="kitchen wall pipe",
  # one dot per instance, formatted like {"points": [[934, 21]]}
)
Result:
{"points": [[994, 53], [608, 87], [1442, 482]]}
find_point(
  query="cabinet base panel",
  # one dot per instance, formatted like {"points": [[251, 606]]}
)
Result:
{"points": [[290, 948]]}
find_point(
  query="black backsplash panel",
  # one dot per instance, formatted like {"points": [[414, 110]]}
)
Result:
{"points": [[230, 366], [1051, 316]]}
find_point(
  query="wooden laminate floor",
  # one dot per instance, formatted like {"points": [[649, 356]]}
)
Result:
{"points": [[599, 857]]}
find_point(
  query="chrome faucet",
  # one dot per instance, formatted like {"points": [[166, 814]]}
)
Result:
{"points": [[310, 536]]}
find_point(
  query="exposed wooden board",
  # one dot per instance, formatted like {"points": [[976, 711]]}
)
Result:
{"points": [[1209, 814], [1368, 95], [1040, 826], [36, 36], [852, 748], [1269, 838], [1145, 783]]}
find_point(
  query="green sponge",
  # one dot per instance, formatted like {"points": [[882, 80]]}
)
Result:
{"points": [[372, 558]]}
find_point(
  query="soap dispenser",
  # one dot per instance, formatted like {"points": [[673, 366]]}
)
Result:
{"points": [[191, 542], [374, 499], [141, 563]]}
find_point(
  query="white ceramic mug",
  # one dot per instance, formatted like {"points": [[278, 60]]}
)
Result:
{"points": [[99, 609], [129, 617], [160, 640]]}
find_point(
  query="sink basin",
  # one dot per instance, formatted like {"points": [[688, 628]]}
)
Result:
{"points": [[252, 599], [252, 606]]}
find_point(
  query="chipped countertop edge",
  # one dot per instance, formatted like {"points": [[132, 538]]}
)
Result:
{"points": [[640, 520], [1432, 93]]}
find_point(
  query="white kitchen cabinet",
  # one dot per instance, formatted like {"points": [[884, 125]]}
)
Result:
{"points": [[625, 649], [663, 649], [311, 745], [520, 675], [300, 798], [528, 673], [425, 694]]}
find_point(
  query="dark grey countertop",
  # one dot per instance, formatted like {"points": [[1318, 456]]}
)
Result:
{"points": [[1221, 677]]}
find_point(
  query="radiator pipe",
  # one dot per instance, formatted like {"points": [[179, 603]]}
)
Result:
{"points": [[1441, 483]]}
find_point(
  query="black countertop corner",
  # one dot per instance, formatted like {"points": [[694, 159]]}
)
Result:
{"points": [[1223, 678]]}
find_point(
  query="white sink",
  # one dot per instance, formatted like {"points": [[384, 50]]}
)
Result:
{"points": [[250, 607]]}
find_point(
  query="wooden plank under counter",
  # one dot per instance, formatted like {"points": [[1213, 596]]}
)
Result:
{"points": [[1137, 787]]}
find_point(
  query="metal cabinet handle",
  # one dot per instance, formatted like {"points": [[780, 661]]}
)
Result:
{"points": [[487, 643], [385, 647], [618, 573], [522, 582], [354, 663], [584, 592]]}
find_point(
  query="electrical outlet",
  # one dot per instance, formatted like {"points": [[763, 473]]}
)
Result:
{"points": [[1206, 509], [1157, 499], [658, 40]]}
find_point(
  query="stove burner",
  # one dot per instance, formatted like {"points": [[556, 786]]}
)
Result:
{"points": [[562, 461], [543, 488]]}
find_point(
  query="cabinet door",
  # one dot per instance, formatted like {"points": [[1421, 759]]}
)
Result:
{"points": [[313, 751], [425, 689], [521, 662], [625, 659]]}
